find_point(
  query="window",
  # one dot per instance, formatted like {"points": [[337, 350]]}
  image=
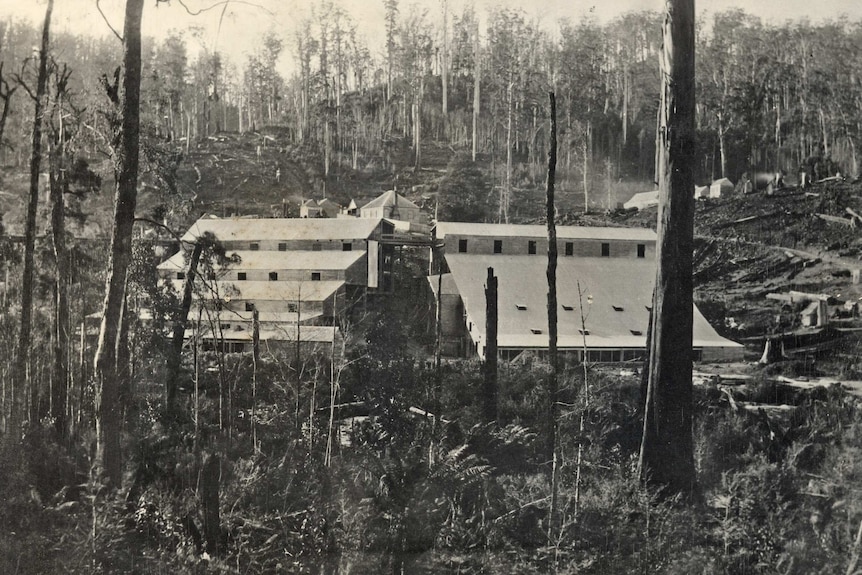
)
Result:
{"points": [[315, 276], [249, 306], [254, 246], [241, 276], [224, 326], [606, 249], [273, 276], [462, 246], [282, 247], [181, 275], [584, 331], [316, 247], [617, 308], [641, 250], [347, 247], [292, 307], [568, 307], [570, 248], [521, 306], [531, 247], [498, 246]]}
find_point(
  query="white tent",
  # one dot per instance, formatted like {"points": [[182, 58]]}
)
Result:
{"points": [[720, 187], [642, 200]]}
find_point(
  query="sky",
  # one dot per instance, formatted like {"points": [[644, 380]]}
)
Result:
{"points": [[246, 21]]}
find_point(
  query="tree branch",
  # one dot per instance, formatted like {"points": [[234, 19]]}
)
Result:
{"points": [[105, 18], [222, 3]]}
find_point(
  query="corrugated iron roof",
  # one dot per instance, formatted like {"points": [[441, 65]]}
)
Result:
{"points": [[273, 290], [449, 286], [307, 333], [540, 231], [390, 198], [615, 292], [250, 229], [275, 260]]}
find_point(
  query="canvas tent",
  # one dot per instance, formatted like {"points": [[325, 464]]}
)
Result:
{"points": [[720, 188], [642, 200]]}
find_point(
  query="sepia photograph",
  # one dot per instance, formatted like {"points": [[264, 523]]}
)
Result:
{"points": [[367, 287]]}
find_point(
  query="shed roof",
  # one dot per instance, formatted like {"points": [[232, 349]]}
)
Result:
{"points": [[251, 229], [390, 198], [275, 260], [306, 333], [273, 290], [615, 293], [540, 231], [449, 285]]}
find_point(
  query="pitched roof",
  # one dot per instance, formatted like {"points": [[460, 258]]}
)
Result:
{"points": [[275, 260], [540, 231], [449, 285], [390, 198], [250, 229], [615, 293], [285, 291]]}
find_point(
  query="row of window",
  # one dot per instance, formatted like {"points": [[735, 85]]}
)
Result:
{"points": [[569, 248], [243, 276], [316, 247]]}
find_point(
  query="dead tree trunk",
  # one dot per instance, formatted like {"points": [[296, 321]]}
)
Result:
{"points": [[22, 357], [476, 99], [667, 456], [6, 93], [553, 383], [107, 408], [180, 324], [489, 386], [210, 479], [255, 357], [57, 183]]}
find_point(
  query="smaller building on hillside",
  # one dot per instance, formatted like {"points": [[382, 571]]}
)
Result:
{"points": [[324, 208], [391, 205]]}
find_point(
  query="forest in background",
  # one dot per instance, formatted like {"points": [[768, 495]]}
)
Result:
{"points": [[770, 95]]}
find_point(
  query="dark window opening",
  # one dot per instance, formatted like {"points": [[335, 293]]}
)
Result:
{"points": [[346, 247], [584, 331], [641, 250], [531, 247], [462, 246], [241, 276], [273, 276], [570, 248], [254, 246], [606, 249], [181, 275], [315, 276], [282, 247], [249, 306], [292, 307], [498, 246]]}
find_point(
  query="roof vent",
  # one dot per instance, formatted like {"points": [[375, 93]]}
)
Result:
{"points": [[521, 306], [568, 307], [636, 332], [536, 331], [584, 331], [617, 307]]}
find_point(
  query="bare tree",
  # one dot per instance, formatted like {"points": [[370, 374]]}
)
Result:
{"points": [[126, 169], [22, 357], [667, 455]]}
